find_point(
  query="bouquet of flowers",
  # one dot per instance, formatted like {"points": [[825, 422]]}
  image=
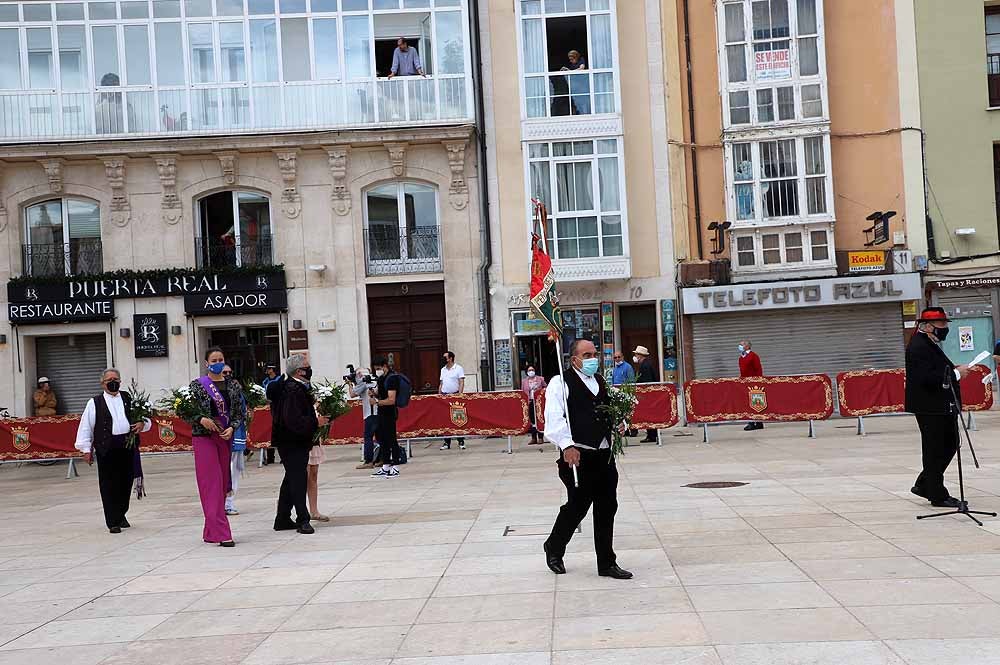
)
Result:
{"points": [[255, 397], [141, 409], [618, 413], [182, 403], [330, 402]]}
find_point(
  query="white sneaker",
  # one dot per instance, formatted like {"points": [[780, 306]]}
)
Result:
{"points": [[382, 472], [461, 446], [393, 472], [232, 511], [445, 446]]}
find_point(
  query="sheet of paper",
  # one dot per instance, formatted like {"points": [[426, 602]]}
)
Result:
{"points": [[988, 379], [980, 358]]}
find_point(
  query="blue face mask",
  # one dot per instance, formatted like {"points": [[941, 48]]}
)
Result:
{"points": [[216, 368], [741, 348], [590, 366]]}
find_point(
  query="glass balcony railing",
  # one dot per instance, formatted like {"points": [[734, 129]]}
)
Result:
{"points": [[214, 253], [232, 108], [580, 92], [80, 256], [393, 251]]}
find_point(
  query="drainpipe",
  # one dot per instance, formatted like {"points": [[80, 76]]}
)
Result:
{"points": [[485, 239], [694, 150]]}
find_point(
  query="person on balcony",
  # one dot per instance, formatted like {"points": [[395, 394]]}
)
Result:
{"points": [[576, 61], [406, 60], [44, 399]]}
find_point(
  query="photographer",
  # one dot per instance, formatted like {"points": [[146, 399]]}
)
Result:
{"points": [[362, 385], [930, 377]]}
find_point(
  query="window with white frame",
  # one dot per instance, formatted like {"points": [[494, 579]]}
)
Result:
{"points": [[788, 247], [71, 68], [581, 184], [568, 50], [772, 61], [62, 237], [779, 179]]}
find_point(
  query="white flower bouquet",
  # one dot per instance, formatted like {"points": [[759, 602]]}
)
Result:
{"points": [[619, 412], [140, 409], [330, 402]]}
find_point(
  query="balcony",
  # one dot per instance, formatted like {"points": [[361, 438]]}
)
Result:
{"points": [[993, 78], [215, 253], [394, 251], [233, 108], [592, 270], [80, 256], [582, 92]]}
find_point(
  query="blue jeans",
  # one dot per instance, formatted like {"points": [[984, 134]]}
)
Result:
{"points": [[369, 448]]}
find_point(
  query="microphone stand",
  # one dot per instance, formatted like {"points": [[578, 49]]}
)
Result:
{"points": [[963, 504]]}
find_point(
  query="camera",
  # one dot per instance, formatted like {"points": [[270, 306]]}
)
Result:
{"points": [[351, 374]]}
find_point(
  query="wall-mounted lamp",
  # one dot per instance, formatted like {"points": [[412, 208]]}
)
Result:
{"points": [[297, 324], [317, 267], [719, 241], [124, 332], [175, 330], [966, 231]]}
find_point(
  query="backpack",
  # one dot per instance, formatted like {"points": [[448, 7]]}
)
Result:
{"points": [[403, 392]]}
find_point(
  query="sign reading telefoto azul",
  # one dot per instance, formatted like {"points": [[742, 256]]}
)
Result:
{"points": [[804, 293], [92, 299], [150, 335]]}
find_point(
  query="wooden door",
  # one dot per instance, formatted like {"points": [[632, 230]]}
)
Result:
{"points": [[412, 332]]}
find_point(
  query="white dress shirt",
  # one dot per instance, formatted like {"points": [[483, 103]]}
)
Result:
{"points": [[556, 418], [450, 379], [119, 422]]}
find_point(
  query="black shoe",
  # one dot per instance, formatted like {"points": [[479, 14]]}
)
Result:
{"points": [[949, 502], [285, 525], [919, 492], [555, 563], [750, 427], [124, 524], [615, 572], [305, 528], [115, 529], [227, 543], [647, 440]]}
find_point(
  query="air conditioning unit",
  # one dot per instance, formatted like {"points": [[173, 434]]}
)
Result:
{"points": [[704, 273]]}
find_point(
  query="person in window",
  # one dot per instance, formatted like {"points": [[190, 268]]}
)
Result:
{"points": [[44, 399], [108, 110], [576, 61], [249, 232], [406, 60]]}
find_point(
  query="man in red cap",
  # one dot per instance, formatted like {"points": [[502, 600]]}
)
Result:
{"points": [[930, 376]]}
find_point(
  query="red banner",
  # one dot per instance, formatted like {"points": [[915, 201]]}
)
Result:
{"points": [[771, 398], [657, 407], [864, 392]]}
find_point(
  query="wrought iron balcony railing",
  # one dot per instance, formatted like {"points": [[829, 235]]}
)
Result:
{"points": [[231, 251], [390, 250], [79, 256]]}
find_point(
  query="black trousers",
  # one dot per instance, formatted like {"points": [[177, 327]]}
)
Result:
{"points": [[115, 475], [461, 441], [939, 441], [598, 477], [295, 459], [385, 432]]}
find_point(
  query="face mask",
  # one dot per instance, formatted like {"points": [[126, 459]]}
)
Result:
{"points": [[941, 333], [216, 368], [635, 359], [590, 366], [308, 372], [619, 363], [379, 372], [741, 348], [114, 385], [530, 374]]}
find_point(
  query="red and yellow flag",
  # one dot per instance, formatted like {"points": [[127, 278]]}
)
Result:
{"points": [[544, 301]]}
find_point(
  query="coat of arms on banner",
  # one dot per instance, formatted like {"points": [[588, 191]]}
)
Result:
{"points": [[758, 399], [459, 416], [167, 433], [21, 439]]}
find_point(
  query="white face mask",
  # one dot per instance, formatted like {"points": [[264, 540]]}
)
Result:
{"points": [[531, 373], [379, 372], [635, 359]]}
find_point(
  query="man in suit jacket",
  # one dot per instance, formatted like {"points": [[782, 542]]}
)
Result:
{"points": [[930, 376], [645, 373]]}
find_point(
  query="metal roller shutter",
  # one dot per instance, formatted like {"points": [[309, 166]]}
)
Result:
{"points": [[821, 340], [73, 367], [958, 297]]}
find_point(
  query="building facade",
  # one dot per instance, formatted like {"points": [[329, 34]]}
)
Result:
{"points": [[804, 209], [240, 173], [580, 112], [959, 104]]}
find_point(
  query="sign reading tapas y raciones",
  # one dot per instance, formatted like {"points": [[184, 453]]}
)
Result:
{"points": [[83, 299]]}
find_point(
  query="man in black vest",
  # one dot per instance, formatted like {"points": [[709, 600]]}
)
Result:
{"points": [[104, 428], [930, 376], [583, 435]]}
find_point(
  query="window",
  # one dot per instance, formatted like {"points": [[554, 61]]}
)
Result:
{"points": [[767, 249], [996, 178], [62, 237], [581, 185], [779, 179], [401, 229], [993, 54], [745, 253], [772, 49], [820, 245], [233, 229], [568, 57]]}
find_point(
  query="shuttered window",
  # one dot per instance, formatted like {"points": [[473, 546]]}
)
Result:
{"points": [[73, 365]]}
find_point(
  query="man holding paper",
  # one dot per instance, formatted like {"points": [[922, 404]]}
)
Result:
{"points": [[586, 466], [930, 376]]}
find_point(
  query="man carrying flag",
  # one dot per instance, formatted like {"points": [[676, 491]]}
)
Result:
{"points": [[574, 422]]}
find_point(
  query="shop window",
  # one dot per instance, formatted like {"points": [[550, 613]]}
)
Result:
{"points": [[402, 232], [581, 185], [233, 229], [63, 237]]}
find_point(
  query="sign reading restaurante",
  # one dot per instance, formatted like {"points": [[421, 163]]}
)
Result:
{"points": [[83, 299]]}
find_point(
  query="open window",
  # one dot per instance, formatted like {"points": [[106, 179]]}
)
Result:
{"points": [[234, 229], [415, 28]]}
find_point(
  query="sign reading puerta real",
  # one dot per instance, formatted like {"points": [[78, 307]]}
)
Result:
{"points": [[82, 299]]}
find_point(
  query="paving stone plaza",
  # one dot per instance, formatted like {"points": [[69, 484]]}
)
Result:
{"points": [[817, 559]]}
